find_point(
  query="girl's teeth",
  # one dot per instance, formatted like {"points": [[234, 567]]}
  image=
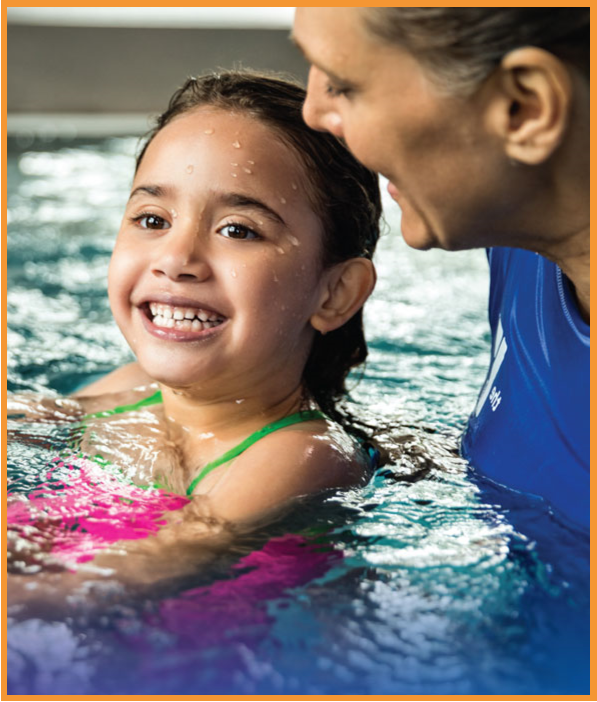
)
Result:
{"points": [[182, 324], [185, 318]]}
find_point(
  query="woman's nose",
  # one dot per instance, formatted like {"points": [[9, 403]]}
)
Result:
{"points": [[319, 110], [182, 256]]}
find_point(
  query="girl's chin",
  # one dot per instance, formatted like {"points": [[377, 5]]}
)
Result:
{"points": [[176, 375]]}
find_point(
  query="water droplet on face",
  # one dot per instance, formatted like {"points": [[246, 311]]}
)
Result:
{"points": [[233, 273], [190, 168], [233, 164], [294, 186], [293, 240], [247, 170], [239, 401], [234, 175], [283, 200], [174, 213], [208, 131], [251, 163], [280, 250], [236, 144]]}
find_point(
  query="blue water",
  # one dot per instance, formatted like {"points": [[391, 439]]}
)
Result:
{"points": [[431, 580]]}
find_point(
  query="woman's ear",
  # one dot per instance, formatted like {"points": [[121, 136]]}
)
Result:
{"points": [[349, 284], [532, 113]]}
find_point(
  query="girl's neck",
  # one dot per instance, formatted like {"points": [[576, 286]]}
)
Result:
{"points": [[225, 418]]}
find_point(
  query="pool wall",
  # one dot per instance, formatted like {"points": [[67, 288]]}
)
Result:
{"points": [[97, 71]]}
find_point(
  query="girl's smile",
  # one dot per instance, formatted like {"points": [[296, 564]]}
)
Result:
{"points": [[180, 320], [217, 267]]}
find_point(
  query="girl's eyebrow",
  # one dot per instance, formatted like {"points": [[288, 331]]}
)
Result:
{"points": [[228, 199], [153, 190], [241, 200]]}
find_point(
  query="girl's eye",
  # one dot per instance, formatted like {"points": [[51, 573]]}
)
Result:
{"points": [[238, 231], [151, 221]]}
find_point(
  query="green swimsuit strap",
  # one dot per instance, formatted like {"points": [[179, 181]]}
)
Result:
{"points": [[296, 418], [154, 399]]}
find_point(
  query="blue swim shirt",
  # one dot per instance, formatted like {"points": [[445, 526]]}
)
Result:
{"points": [[530, 427]]}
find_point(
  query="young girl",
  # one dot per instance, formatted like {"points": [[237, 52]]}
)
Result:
{"points": [[237, 278]]}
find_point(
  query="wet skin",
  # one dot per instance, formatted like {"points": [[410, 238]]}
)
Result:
{"points": [[219, 221], [445, 155]]}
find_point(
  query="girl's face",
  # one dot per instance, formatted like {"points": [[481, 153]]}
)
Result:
{"points": [[217, 266]]}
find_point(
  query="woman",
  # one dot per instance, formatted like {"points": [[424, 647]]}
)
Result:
{"points": [[479, 118]]}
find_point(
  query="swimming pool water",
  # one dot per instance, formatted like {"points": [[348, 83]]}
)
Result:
{"points": [[442, 584]]}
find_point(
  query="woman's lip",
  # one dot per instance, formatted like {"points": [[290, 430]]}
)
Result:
{"points": [[393, 191], [171, 334]]}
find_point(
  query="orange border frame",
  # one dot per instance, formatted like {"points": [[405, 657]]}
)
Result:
{"points": [[4, 695]]}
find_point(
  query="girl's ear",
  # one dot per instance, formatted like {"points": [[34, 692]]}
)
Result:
{"points": [[349, 284]]}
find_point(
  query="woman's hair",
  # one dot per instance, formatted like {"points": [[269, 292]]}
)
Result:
{"points": [[461, 46], [344, 194]]}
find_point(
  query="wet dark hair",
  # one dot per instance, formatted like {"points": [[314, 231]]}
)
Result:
{"points": [[344, 194], [462, 45]]}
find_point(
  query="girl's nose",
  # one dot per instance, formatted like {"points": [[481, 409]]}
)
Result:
{"points": [[319, 110], [181, 257]]}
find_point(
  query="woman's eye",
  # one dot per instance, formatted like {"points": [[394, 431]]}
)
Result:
{"points": [[151, 221], [238, 231], [333, 91]]}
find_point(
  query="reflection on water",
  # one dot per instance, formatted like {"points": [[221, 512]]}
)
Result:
{"points": [[426, 581]]}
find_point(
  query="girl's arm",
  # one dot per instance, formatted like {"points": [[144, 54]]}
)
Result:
{"points": [[34, 406], [252, 491], [40, 584]]}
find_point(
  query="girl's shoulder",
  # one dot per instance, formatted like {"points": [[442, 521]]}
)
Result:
{"points": [[296, 461], [106, 404], [122, 380]]}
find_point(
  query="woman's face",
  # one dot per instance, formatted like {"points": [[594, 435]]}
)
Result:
{"points": [[446, 168], [217, 266]]}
